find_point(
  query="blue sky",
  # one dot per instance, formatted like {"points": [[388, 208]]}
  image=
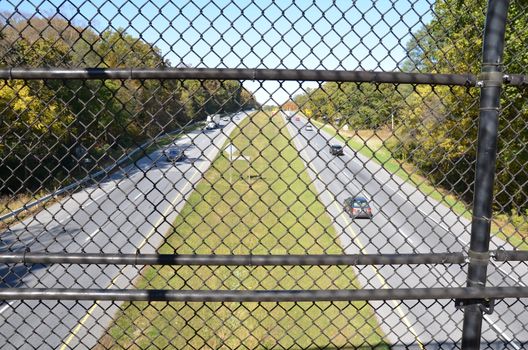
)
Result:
{"points": [[308, 34]]}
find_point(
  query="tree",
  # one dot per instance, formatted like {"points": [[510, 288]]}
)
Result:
{"points": [[54, 118], [34, 125], [360, 106], [444, 143]]}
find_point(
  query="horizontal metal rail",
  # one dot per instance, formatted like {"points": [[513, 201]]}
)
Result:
{"points": [[510, 255], [262, 295], [233, 260], [241, 74], [253, 74], [516, 80]]}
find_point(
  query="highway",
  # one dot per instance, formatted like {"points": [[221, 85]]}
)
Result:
{"points": [[405, 221], [134, 208], [129, 212]]}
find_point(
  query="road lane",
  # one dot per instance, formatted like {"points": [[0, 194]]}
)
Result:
{"points": [[132, 209], [405, 221]]}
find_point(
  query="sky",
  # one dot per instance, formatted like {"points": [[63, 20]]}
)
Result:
{"points": [[307, 34]]}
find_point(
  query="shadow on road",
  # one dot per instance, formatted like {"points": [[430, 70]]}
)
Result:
{"points": [[155, 159], [35, 238]]}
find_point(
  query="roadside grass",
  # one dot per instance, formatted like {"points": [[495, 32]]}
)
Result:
{"points": [[270, 209], [374, 145], [12, 203]]}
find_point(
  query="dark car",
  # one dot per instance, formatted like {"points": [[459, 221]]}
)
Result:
{"points": [[358, 207], [336, 150], [174, 154]]}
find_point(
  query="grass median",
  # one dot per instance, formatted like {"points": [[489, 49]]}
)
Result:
{"points": [[266, 208]]}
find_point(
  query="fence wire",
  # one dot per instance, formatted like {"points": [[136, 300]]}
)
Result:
{"points": [[262, 174]]}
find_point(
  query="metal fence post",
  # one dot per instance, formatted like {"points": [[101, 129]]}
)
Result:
{"points": [[490, 83]]}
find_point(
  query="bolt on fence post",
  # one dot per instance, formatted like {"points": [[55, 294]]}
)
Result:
{"points": [[492, 51]]}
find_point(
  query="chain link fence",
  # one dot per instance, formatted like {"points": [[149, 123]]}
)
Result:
{"points": [[263, 174]]}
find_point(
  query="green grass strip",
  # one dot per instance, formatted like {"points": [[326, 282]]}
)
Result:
{"points": [[268, 208]]}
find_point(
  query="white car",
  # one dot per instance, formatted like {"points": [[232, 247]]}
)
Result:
{"points": [[309, 127], [210, 126]]}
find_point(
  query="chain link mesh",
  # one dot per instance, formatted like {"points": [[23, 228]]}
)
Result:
{"points": [[253, 167]]}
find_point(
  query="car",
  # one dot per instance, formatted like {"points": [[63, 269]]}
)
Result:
{"points": [[336, 150], [210, 126], [225, 119], [309, 127], [358, 207], [236, 117], [174, 154]]}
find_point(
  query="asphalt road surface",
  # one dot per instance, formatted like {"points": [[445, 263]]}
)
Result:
{"points": [[133, 210], [130, 211], [405, 221]]}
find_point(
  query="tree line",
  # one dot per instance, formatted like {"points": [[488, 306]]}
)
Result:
{"points": [[44, 123], [436, 127]]}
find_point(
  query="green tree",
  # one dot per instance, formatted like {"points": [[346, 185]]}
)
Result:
{"points": [[34, 125], [59, 117], [440, 132], [360, 106]]}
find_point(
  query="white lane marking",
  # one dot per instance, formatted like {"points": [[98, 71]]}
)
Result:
{"points": [[502, 333], [170, 206], [93, 200], [397, 192], [83, 206], [8, 304], [506, 274], [377, 273], [458, 238], [90, 236], [366, 195], [491, 322]]}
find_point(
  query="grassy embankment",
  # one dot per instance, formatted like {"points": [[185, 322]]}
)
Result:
{"points": [[275, 211]]}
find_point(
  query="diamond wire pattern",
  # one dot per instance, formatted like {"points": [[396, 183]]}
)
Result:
{"points": [[409, 149]]}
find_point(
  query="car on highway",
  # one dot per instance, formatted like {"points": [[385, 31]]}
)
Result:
{"points": [[174, 154], [358, 207], [210, 126], [225, 119], [236, 117], [336, 150], [309, 127]]}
